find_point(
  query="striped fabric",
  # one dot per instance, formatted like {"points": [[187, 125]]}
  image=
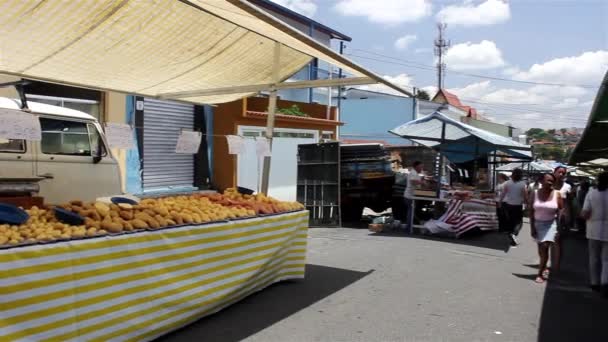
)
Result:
{"points": [[463, 216], [137, 287]]}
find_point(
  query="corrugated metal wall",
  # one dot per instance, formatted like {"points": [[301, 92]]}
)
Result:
{"points": [[163, 121]]}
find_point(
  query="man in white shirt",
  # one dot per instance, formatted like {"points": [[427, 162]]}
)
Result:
{"points": [[414, 179]]}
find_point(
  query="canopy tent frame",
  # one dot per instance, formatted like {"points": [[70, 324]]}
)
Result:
{"points": [[592, 146], [442, 140], [45, 64]]}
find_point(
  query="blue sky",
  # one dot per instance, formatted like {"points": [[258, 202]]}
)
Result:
{"points": [[541, 41]]}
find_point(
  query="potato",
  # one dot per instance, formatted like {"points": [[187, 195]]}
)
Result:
{"points": [[112, 226], [161, 211], [78, 234], [161, 220], [90, 223], [196, 218], [177, 218], [126, 214], [170, 222], [187, 218], [92, 232], [102, 208], [153, 223], [150, 212], [125, 206], [3, 240], [127, 226], [76, 203], [139, 224]]}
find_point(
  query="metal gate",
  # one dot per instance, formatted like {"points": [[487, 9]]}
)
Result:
{"points": [[163, 122]]}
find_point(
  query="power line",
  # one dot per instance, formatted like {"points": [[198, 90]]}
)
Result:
{"points": [[416, 65]]}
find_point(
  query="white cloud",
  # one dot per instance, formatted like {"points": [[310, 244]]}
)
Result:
{"points": [[510, 71], [586, 68], [489, 12], [472, 91], [387, 12], [566, 103], [404, 42], [304, 7], [471, 56], [510, 96], [402, 80], [558, 92]]}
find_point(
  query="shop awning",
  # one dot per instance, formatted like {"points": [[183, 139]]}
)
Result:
{"points": [[202, 51], [459, 142], [592, 148], [527, 166]]}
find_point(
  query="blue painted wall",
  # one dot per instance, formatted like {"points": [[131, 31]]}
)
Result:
{"points": [[372, 117], [133, 172]]}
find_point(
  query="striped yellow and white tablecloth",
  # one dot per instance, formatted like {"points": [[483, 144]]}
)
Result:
{"points": [[140, 286]]}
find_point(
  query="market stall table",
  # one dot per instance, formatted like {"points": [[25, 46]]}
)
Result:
{"points": [[136, 287]]}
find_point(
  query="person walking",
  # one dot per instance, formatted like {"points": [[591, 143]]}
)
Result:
{"points": [[581, 195], [399, 185], [563, 218], [547, 203], [414, 179], [595, 211], [513, 198], [502, 179]]}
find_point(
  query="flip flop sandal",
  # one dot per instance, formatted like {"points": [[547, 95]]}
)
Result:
{"points": [[546, 273]]}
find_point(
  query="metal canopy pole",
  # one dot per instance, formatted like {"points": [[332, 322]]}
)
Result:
{"points": [[272, 108]]}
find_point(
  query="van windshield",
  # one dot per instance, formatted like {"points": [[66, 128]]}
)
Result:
{"points": [[64, 137]]}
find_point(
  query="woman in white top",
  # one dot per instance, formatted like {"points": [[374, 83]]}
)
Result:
{"points": [[595, 211], [563, 218], [513, 198]]}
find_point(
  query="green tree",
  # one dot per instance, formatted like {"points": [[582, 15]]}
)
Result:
{"points": [[538, 133], [423, 95]]}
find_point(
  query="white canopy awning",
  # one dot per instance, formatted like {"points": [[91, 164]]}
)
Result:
{"points": [[527, 166], [202, 51], [458, 141]]}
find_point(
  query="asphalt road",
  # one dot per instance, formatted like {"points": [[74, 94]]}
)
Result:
{"points": [[366, 287]]}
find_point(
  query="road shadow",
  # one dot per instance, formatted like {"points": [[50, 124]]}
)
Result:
{"points": [[267, 307], [490, 240], [526, 276], [571, 311]]}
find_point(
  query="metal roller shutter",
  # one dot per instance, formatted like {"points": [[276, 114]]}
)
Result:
{"points": [[163, 168]]}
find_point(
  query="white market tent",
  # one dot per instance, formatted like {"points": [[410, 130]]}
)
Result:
{"points": [[529, 167], [200, 51], [459, 142]]}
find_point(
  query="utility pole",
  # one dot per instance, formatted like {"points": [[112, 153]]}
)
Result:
{"points": [[441, 47]]}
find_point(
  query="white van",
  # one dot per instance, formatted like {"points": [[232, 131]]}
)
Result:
{"points": [[72, 158]]}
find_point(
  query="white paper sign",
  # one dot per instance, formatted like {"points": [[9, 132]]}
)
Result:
{"points": [[262, 147], [188, 142], [16, 124], [120, 135], [236, 144]]}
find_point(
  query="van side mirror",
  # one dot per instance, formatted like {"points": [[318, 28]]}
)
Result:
{"points": [[96, 159]]}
